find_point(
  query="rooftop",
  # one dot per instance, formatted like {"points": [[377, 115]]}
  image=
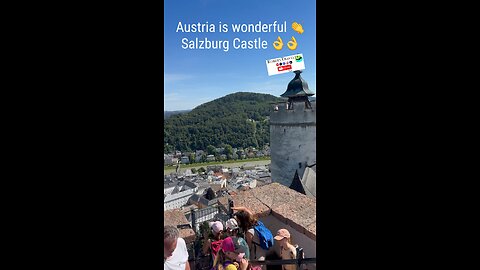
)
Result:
{"points": [[176, 217], [292, 208], [202, 200], [297, 87]]}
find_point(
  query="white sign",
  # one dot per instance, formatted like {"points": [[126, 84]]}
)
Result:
{"points": [[285, 64]]}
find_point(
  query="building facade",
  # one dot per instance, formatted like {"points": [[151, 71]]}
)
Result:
{"points": [[180, 195]]}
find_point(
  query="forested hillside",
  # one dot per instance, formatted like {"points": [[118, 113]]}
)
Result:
{"points": [[167, 114], [239, 119]]}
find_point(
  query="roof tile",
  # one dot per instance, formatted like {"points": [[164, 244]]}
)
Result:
{"points": [[289, 206], [176, 217]]}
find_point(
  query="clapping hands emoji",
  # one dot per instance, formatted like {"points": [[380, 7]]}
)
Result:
{"points": [[297, 27]]}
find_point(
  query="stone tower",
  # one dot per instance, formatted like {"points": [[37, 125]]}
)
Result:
{"points": [[293, 133]]}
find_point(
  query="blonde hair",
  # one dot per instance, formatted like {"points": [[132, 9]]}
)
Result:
{"points": [[220, 260]]}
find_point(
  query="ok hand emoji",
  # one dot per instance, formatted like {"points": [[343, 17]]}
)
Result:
{"points": [[278, 44], [292, 44]]}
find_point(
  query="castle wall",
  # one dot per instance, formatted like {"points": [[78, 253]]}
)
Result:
{"points": [[292, 141]]}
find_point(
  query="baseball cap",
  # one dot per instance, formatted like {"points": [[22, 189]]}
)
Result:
{"points": [[233, 245], [216, 226], [282, 233], [232, 224]]}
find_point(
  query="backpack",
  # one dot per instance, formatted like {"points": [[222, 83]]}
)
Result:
{"points": [[242, 242], [264, 235]]}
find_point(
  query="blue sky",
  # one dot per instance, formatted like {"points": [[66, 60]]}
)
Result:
{"points": [[193, 77]]}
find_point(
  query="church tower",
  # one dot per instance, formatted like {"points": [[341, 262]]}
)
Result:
{"points": [[293, 133]]}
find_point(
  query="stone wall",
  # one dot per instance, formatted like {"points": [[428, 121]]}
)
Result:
{"points": [[298, 238], [280, 207], [292, 141]]}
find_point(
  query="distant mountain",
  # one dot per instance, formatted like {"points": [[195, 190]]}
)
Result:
{"points": [[167, 114], [239, 119]]}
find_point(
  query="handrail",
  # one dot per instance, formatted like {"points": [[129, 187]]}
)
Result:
{"points": [[282, 262], [275, 262]]}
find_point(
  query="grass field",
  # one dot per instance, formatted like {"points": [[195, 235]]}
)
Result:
{"points": [[228, 163]]}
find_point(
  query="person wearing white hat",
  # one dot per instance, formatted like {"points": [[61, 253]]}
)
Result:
{"points": [[215, 243], [232, 230], [232, 224], [217, 227]]}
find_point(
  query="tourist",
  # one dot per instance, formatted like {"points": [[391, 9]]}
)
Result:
{"points": [[287, 250], [252, 227], [231, 256], [175, 254], [214, 243], [233, 230]]}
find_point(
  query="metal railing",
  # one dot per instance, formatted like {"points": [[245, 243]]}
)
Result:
{"points": [[198, 216], [299, 261]]}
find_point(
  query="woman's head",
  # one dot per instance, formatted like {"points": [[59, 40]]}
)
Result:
{"points": [[245, 220], [217, 229]]}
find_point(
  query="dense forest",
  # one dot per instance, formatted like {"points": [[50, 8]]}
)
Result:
{"points": [[239, 119], [167, 114]]}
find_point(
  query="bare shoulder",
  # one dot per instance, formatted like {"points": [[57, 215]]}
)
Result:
{"points": [[293, 251]]}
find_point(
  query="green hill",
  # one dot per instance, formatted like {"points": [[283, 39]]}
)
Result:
{"points": [[167, 114], [238, 119]]}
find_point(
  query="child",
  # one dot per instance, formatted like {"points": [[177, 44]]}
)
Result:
{"points": [[287, 250], [233, 229], [214, 243], [231, 256]]}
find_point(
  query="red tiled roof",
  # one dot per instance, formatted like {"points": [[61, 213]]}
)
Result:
{"points": [[176, 217], [289, 206]]}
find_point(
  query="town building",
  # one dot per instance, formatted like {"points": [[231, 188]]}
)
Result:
{"points": [[168, 159], [185, 160], [180, 194]]}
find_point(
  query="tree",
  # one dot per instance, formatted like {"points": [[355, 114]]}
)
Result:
{"points": [[211, 150], [221, 121], [228, 149]]}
